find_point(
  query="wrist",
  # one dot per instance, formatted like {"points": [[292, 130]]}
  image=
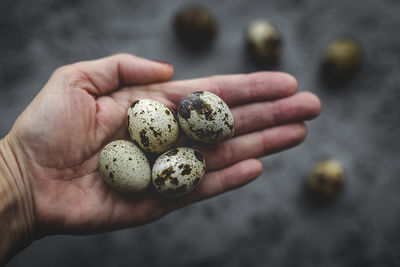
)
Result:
{"points": [[16, 206]]}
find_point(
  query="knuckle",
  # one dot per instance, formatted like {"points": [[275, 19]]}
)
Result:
{"points": [[277, 112], [72, 75], [227, 154], [122, 55], [119, 57], [65, 71], [256, 85], [264, 143], [214, 86]]}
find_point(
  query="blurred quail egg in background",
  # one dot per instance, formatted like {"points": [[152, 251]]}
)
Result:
{"points": [[152, 125], [178, 171], [205, 117], [124, 166], [263, 42], [326, 179], [341, 60], [195, 26]]}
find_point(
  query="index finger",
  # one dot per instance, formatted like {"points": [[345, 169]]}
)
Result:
{"points": [[236, 89]]}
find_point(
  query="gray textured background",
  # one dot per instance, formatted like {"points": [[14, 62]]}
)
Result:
{"points": [[270, 222]]}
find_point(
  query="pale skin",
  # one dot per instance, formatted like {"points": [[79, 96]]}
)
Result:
{"points": [[49, 180]]}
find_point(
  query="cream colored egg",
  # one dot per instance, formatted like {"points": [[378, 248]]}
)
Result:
{"points": [[124, 166], [205, 117], [152, 125]]}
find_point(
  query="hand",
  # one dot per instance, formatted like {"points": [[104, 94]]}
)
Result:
{"points": [[58, 138]]}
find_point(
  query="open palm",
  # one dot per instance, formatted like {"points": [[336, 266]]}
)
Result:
{"points": [[58, 138]]}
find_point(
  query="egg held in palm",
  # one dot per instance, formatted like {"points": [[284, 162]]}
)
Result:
{"points": [[152, 125], [178, 171], [124, 166], [205, 117]]}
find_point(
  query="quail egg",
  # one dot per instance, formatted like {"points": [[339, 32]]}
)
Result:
{"points": [[124, 166], [341, 60], [263, 42], [326, 179], [195, 26], [152, 125], [205, 117], [178, 171]]}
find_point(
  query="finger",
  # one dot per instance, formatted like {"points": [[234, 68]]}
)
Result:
{"points": [[227, 179], [254, 145], [221, 181], [233, 89], [148, 207], [241, 88], [299, 107], [110, 73]]}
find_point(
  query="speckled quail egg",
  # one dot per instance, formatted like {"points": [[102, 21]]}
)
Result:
{"points": [[326, 179], [124, 166], [341, 60], [152, 125], [178, 171], [205, 117], [263, 42], [195, 26]]}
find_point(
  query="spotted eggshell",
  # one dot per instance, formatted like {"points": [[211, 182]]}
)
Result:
{"points": [[178, 171], [152, 125], [205, 117], [124, 166]]}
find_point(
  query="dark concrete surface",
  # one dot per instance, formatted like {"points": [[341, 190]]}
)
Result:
{"points": [[270, 222]]}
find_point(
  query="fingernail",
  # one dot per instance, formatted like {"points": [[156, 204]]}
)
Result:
{"points": [[162, 62]]}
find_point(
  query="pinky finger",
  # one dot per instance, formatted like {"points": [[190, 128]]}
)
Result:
{"points": [[228, 179], [218, 182]]}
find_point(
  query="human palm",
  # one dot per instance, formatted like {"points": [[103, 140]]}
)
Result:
{"points": [[83, 106]]}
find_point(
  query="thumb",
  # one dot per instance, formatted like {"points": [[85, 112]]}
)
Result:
{"points": [[110, 73]]}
